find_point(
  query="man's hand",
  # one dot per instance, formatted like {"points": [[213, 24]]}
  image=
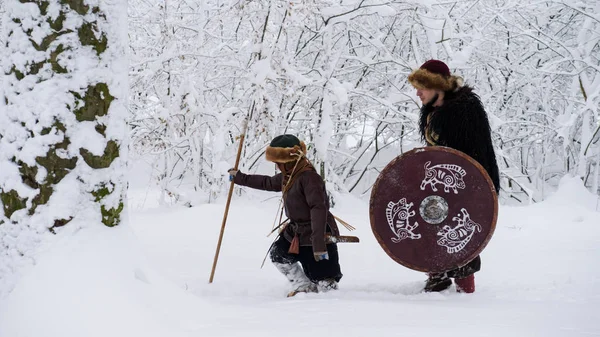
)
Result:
{"points": [[232, 172], [319, 256]]}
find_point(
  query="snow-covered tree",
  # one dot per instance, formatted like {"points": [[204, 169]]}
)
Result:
{"points": [[334, 73], [62, 121]]}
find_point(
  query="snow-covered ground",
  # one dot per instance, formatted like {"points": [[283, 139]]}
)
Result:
{"points": [[540, 277]]}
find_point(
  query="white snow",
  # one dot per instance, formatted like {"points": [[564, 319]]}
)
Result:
{"points": [[540, 277], [44, 98]]}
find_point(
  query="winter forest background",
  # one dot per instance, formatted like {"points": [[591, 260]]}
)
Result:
{"points": [[334, 72]]}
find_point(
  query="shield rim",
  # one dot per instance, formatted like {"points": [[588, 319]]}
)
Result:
{"points": [[484, 243]]}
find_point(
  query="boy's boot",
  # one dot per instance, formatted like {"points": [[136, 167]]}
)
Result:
{"points": [[327, 285], [295, 274]]}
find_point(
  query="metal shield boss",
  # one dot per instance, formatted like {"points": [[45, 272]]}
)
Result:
{"points": [[433, 209]]}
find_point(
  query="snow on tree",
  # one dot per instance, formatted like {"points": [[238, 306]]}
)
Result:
{"points": [[334, 73], [62, 121]]}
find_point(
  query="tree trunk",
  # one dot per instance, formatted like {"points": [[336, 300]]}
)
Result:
{"points": [[62, 117]]}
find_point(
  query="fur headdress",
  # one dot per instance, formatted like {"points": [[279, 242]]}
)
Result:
{"points": [[435, 74], [285, 149]]}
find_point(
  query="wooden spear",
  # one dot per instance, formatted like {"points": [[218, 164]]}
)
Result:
{"points": [[237, 162]]}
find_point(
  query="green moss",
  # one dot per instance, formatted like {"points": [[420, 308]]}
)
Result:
{"points": [[101, 129], [42, 198], [57, 24], [59, 126], [87, 37], [12, 202], [59, 223], [43, 7], [100, 193], [56, 166], [56, 125], [112, 216], [47, 40], [28, 174], [78, 6], [19, 75], [35, 68], [96, 102], [57, 68], [98, 162]]}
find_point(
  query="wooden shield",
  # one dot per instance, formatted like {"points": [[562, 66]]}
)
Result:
{"points": [[433, 209]]}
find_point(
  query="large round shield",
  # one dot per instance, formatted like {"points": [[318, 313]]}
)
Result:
{"points": [[433, 209]]}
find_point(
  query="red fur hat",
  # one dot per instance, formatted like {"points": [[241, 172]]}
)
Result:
{"points": [[434, 74]]}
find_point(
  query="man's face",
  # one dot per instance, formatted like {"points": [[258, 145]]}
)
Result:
{"points": [[426, 95]]}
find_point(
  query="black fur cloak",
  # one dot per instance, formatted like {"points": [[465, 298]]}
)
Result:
{"points": [[462, 124]]}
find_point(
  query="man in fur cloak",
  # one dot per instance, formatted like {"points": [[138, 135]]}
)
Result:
{"points": [[452, 115], [301, 252]]}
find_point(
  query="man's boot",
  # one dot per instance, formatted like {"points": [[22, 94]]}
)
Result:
{"points": [[295, 274], [437, 283], [466, 284]]}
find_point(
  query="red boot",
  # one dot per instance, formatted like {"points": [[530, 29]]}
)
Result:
{"points": [[465, 285]]}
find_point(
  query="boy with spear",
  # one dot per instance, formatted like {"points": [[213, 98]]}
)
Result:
{"points": [[302, 252]]}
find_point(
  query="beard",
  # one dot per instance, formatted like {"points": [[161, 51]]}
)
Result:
{"points": [[431, 101]]}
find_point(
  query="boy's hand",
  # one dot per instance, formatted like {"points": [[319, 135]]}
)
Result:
{"points": [[232, 172], [319, 256]]}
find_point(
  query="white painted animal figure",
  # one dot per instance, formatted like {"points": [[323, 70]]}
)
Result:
{"points": [[398, 216], [455, 239], [449, 175]]}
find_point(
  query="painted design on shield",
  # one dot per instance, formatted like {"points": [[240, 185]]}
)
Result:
{"points": [[449, 175], [398, 216], [455, 239]]}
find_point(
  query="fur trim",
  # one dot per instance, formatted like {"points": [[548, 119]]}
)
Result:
{"points": [[425, 79], [285, 154]]}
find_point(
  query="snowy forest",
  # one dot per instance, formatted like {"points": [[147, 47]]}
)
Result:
{"points": [[334, 73], [119, 120]]}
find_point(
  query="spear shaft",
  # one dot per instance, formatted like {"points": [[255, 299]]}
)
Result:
{"points": [[237, 162]]}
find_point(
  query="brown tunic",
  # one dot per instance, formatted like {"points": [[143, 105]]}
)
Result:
{"points": [[306, 205]]}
